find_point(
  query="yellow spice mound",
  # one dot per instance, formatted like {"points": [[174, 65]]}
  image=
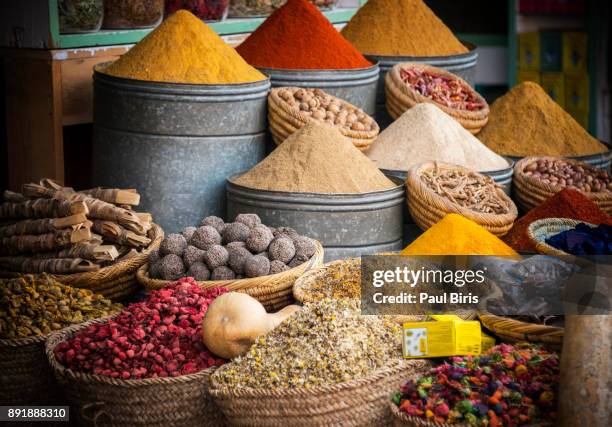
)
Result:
{"points": [[457, 235], [527, 122], [402, 28], [184, 50]]}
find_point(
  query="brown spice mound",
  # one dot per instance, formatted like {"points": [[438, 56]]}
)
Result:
{"points": [[401, 27], [527, 122], [316, 159]]}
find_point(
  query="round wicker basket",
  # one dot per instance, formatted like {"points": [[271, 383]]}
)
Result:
{"points": [[117, 281], [104, 401], [274, 291], [427, 207], [359, 402], [285, 120], [400, 97], [538, 231], [530, 192]]}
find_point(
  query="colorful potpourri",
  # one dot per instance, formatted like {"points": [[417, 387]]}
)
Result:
{"points": [[442, 89], [507, 386]]}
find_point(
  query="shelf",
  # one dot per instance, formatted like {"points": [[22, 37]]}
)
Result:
{"points": [[227, 27]]}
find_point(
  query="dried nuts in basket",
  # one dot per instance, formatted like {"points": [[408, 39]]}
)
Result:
{"points": [[560, 173]]}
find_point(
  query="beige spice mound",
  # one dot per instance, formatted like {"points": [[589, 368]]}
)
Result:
{"points": [[527, 122], [425, 133], [402, 28], [316, 159]]}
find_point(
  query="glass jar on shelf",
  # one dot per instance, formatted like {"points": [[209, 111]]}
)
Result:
{"points": [[253, 8], [206, 10], [132, 14], [324, 4], [80, 16]]}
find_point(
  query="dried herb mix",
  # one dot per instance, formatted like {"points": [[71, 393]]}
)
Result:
{"points": [[327, 342], [38, 305]]}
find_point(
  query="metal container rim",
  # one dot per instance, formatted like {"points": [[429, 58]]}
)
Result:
{"points": [[348, 71], [311, 198], [472, 50], [606, 155], [509, 169], [177, 88]]}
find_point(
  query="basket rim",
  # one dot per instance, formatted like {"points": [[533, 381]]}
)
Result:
{"points": [[65, 334], [142, 274], [563, 223], [393, 76], [401, 416], [413, 180], [392, 368]]}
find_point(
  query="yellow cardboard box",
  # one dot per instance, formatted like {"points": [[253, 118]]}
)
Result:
{"points": [[529, 51], [528, 76], [441, 338], [554, 85], [577, 92], [575, 52]]}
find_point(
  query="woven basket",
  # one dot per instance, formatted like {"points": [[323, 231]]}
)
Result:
{"points": [[538, 231], [400, 97], [104, 401], [512, 330], [284, 121], [530, 192], [360, 402], [427, 207], [25, 375], [116, 281], [274, 291], [401, 419]]}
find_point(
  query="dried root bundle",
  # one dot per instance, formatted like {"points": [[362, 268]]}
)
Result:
{"points": [[115, 196], [117, 234], [89, 251]]}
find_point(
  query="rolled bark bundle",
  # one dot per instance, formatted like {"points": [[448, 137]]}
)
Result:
{"points": [[98, 209], [117, 234], [43, 242], [52, 265], [42, 208], [129, 197], [89, 251], [11, 196], [42, 226]]}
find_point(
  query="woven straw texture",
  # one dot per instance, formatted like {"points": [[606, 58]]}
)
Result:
{"points": [[25, 375], [116, 281], [274, 291], [400, 419], [285, 120], [530, 192], [538, 231], [427, 207], [512, 330], [104, 401], [360, 402], [400, 97]]}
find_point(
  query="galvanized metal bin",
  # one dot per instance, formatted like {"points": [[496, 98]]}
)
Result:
{"points": [[463, 65], [176, 143], [357, 86], [346, 224]]}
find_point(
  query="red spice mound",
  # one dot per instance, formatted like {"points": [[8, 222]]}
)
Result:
{"points": [[299, 36], [567, 203], [158, 337]]}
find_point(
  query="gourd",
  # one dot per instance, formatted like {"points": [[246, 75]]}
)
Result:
{"points": [[234, 320]]}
